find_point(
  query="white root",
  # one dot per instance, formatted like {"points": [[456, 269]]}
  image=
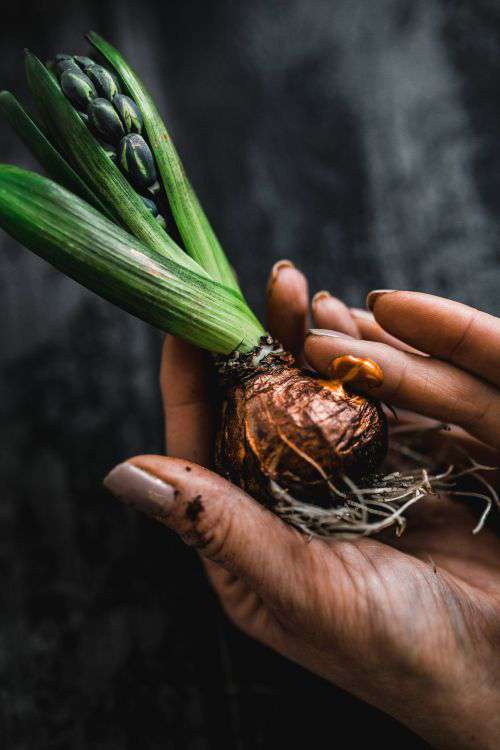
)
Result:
{"points": [[368, 510]]}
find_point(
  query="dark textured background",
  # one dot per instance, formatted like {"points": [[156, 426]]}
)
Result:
{"points": [[361, 139]]}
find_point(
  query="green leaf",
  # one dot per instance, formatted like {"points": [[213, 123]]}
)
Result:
{"points": [[49, 158], [194, 227], [96, 169], [75, 238]]}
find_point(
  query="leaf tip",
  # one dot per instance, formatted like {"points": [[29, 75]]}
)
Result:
{"points": [[5, 99], [91, 36], [30, 58]]}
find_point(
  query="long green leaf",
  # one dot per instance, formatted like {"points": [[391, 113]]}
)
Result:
{"points": [[194, 227], [96, 168], [74, 237], [49, 158]]}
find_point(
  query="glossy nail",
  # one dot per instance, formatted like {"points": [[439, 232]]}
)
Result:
{"points": [[140, 489]]}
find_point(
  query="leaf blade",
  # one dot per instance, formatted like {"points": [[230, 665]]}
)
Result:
{"points": [[74, 237], [195, 229], [39, 145]]}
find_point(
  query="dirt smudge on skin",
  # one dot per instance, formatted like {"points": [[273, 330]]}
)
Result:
{"points": [[194, 508]]}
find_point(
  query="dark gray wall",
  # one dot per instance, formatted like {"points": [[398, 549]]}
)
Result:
{"points": [[360, 138]]}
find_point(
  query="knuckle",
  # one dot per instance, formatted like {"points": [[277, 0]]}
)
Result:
{"points": [[402, 379], [463, 340], [471, 415]]}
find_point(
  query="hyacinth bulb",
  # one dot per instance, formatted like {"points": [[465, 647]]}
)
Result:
{"points": [[281, 425]]}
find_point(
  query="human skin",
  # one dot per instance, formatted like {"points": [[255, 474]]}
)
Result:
{"points": [[410, 624]]}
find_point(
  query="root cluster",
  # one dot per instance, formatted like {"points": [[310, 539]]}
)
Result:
{"points": [[362, 511]]}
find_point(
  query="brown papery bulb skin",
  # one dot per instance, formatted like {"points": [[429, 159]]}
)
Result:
{"points": [[281, 424]]}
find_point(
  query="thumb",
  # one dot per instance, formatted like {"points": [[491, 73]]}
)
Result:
{"points": [[222, 522]]}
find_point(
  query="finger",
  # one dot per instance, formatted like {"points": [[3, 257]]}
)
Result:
{"points": [[222, 522], [370, 330], [443, 446], [287, 305], [330, 312], [443, 328], [186, 387], [430, 387]]}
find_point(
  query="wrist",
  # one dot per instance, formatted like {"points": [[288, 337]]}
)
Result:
{"points": [[462, 717]]}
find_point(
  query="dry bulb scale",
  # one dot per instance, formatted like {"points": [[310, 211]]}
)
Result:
{"points": [[312, 450]]}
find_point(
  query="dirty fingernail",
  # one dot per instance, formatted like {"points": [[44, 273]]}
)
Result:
{"points": [[279, 266], [373, 296], [323, 294], [140, 489]]}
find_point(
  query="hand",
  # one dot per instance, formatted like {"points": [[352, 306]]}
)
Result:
{"points": [[413, 628], [458, 384]]}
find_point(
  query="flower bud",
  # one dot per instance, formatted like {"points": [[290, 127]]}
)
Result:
{"points": [[65, 62], [129, 113], [83, 61], [105, 120], [78, 88], [137, 161], [103, 80], [150, 205]]}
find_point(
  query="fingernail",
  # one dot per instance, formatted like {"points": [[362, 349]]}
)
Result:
{"points": [[279, 266], [143, 491], [373, 296], [328, 334], [323, 294]]}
